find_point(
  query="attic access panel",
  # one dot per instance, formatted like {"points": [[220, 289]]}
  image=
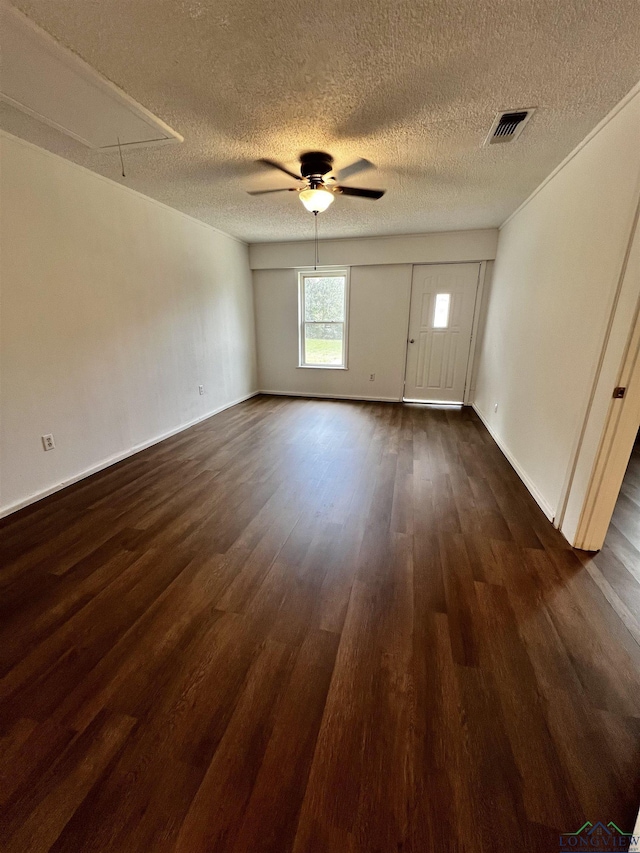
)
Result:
{"points": [[45, 80]]}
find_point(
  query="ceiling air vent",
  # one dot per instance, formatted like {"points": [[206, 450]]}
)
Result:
{"points": [[508, 125]]}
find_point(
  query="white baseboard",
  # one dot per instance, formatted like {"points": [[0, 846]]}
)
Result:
{"points": [[112, 460], [542, 503], [313, 396]]}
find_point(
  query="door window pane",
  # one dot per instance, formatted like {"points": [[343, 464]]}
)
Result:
{"points": [[323, 343], [441, 311]]}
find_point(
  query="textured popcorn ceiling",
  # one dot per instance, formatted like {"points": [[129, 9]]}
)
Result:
{"points": [[411, 86]]}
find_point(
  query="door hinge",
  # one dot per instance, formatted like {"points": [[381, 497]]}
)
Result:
{"points": [[618, 393]]}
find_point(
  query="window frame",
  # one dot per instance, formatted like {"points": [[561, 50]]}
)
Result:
{"points": [[333, 272]]}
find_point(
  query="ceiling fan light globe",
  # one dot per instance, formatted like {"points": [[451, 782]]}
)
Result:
{"points": [[316, 200]]}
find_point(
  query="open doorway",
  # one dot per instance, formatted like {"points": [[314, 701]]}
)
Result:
{"points": [[623, 535]]}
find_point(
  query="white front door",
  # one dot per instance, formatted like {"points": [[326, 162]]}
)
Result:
{"points": [[443, 299]]}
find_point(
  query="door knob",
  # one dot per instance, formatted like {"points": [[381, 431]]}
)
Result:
{"points": [[412, 341]]}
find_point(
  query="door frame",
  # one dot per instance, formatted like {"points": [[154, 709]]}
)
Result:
{"points": [[614, 451], [477, 310], [469, 384], [610, 424], [616, 445]]}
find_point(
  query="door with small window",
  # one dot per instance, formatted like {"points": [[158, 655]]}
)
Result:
{"points": [[443, 299]]}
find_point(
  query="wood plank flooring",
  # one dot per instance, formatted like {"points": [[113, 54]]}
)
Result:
{"points": [[319, 627]]}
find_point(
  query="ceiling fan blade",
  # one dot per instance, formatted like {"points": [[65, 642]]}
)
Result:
{"points": [[275, 165], [360, 192], [280, 190], [354, 169]]}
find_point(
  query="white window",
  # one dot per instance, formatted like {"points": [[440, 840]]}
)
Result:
{"points": [[323, 315]]}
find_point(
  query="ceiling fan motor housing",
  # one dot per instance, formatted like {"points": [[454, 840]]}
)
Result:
{"points": [[315, 164]]}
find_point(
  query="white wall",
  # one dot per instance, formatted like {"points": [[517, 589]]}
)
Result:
{"points": [[378, 316], [437, 248], [380, 292], [114, 308], [556, 275]]}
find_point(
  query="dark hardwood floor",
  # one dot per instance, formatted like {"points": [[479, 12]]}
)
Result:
{"points": [[319, 627]]}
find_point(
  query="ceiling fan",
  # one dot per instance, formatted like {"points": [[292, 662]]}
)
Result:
{"points": [[316, 192]]}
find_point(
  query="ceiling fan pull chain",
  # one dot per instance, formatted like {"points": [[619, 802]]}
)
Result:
{"points": [[121, 158], [315, 219]]}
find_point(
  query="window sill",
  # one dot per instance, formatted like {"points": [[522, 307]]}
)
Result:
{"points": [[320, 367]]}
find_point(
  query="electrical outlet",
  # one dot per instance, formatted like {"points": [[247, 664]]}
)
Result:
{"points": [[495, 408], [201, 390], [47, 442], [372, 377]]}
